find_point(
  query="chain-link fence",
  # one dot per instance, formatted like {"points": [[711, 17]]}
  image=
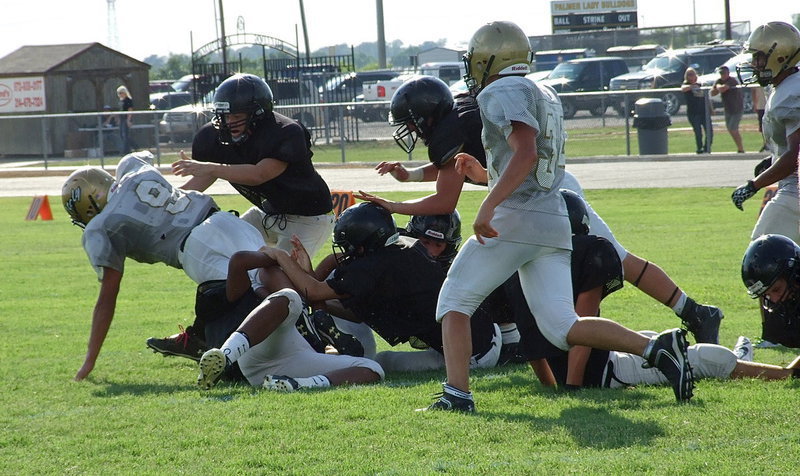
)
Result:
{"points": [[90, 135]]}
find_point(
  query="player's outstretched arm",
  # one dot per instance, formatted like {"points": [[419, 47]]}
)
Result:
{"points": [[101, 319]]}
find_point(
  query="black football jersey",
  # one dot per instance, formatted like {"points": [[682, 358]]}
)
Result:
{"points": [[394, 291], [299, 190]]}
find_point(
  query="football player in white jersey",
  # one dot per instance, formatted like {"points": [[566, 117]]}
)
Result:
{"points": [[522, 224], [140, 215], [775, 50]]}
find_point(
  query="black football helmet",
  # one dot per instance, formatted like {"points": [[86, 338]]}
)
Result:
{"points": [[768, 258], [423, 102], [241, 93], [445, 228], [363, 229], [578, 213]]}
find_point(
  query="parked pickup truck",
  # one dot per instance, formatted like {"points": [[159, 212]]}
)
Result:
{"points": [[377, 91]]}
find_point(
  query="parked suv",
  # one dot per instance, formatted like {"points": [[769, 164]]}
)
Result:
{"points": [[667, 69], [585, 75]]}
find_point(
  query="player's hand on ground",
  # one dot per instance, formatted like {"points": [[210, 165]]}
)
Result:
{"points": [[396, 169], [300, 254], [84, 371], [368, 197], [742, 193], [482, 225]]}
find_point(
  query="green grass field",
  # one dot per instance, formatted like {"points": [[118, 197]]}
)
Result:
{"points": [[139, 413]]}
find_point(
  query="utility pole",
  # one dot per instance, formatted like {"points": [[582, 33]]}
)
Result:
{"points": [[305, 32], [223, 42], [381, 35], [728, 34]]}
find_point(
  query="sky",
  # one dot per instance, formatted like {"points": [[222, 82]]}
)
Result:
{"points": [[161, 27]]}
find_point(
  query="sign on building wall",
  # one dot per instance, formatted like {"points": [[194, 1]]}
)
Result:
{"points": [[571, 15], [22, 94]]}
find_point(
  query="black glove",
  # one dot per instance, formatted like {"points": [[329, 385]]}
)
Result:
{"points": [[742, 193], [762, 166]]}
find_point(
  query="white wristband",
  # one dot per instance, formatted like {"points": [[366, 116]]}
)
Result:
{"points": [[415, 175]]}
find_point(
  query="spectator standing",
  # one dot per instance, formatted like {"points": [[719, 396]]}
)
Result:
{"points": [[125, 122], [697, 111], [732, 103]]}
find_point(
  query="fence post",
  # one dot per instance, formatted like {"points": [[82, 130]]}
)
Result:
{"points": [[158, 143], [627, 124], [341, 133], [45, 141], [100, 141]]}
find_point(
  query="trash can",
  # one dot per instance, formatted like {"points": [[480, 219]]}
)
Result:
{"points": [[651, 120]]}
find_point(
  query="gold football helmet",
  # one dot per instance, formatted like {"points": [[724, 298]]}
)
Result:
{"points": [[497, 48], [85, 193], [775, 47]]}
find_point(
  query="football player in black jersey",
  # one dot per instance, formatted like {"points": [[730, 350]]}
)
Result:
{"points": [[267, 158], [424, 108], [596, 273], [384, 280]]}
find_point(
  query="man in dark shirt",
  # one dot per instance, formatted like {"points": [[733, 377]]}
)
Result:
{"points": [[267, 158], [732, 102]]}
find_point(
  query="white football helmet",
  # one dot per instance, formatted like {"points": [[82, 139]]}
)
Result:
{"points": [[497, 48], [85, 193], [775, 47]]}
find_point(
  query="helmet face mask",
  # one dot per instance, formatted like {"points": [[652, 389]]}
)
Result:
{"points": [[497, 49], [85, 194], [363, 229], [416, 108], [768, 259], [240, 94], [775, 48], [442, 228]]}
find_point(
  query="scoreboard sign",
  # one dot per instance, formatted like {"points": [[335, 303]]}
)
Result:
{"points": [[570, 15]]}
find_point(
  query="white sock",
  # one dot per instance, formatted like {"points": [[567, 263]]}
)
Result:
{"points": [[509, 333], [235, 346], [319, 381], [678, 307]]}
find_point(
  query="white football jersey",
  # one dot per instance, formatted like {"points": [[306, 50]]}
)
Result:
{"points": [[782, 118], [145, 219], [514, 98]]}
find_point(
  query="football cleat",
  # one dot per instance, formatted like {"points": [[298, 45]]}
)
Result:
{"points": [[669, 355], [702, 321], [305, 327], [345, 343], [511, 354], [212, 365], [187, 344], [281, 383], [743, 349], [450, 403]]}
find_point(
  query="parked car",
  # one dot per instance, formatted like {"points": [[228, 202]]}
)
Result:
{"points": [[181, 123], [169, 100], [585, 75], [161, 85], [197, 84], [667, 69], [708, 80]]}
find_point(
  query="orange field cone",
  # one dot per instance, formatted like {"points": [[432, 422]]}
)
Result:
{"points": [[40, 207]]}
